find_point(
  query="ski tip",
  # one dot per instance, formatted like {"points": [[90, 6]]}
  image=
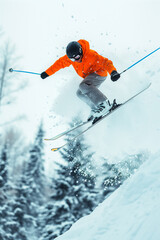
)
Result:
{"points": [[47, 139], [52, 139], [55, 149]]}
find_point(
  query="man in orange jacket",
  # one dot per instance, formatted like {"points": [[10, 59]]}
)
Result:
{"points": [[93, 68]]}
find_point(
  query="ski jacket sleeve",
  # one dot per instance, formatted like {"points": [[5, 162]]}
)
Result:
{"points": [[59, 64], [104, 63]]}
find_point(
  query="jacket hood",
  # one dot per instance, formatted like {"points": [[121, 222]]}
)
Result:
{"points": [[85, 45]]}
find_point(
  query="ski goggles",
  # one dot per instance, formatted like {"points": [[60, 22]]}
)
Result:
{"points": [[75, 58]]}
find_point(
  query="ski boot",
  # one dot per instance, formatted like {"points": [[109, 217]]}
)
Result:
{"points": [[114, 105], [92, 115], [102, 109]]}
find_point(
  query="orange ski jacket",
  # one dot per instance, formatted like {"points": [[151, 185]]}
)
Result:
{"points": [[91, 62]]}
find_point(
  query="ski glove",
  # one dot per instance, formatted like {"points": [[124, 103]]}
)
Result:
{"points": [[44, 75], [115, 76]]}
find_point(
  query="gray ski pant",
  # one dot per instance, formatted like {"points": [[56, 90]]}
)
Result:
{"points": [[88, 90]]}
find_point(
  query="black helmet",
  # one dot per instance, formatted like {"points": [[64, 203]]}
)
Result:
{"points": [[73, 49]]}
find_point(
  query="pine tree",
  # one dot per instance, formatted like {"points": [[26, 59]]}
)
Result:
{"points": [[19, 207], [3, 182], [74, 194], [32, 188], [116, 174], [11, 224], [113, 179], [34, 172], [78, 172], [3, 167]]}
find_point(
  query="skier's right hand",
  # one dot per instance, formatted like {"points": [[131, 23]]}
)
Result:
{"points": [[44, 75], [115, 76]]}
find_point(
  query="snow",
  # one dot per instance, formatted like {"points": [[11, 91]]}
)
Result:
{"points": [[130, 213]]}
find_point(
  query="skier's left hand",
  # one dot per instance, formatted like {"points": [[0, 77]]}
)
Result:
{"points": [[44, 75], [115, 76]]}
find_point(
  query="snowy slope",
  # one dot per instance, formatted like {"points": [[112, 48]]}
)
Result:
{"points": [[130, 213]]}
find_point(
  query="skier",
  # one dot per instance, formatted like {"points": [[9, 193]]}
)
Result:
{"points": [[93, 68]]}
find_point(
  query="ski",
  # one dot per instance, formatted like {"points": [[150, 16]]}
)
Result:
{"points": [[67, 131], [92, 125]]}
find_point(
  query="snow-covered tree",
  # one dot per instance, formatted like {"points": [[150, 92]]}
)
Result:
{"points": [[13, 202], [12, 220], [31, 190], [34, 177], [3, 183], [20, 202], [3, 166], [77, 171], [74, 193], [116, 174]]}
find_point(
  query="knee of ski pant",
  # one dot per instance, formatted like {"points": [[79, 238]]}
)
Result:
{"points": [[84, 87], [79, 93]]}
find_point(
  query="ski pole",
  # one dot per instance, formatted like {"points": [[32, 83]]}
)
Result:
{"points": [[140, 60], [12, 70]]}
